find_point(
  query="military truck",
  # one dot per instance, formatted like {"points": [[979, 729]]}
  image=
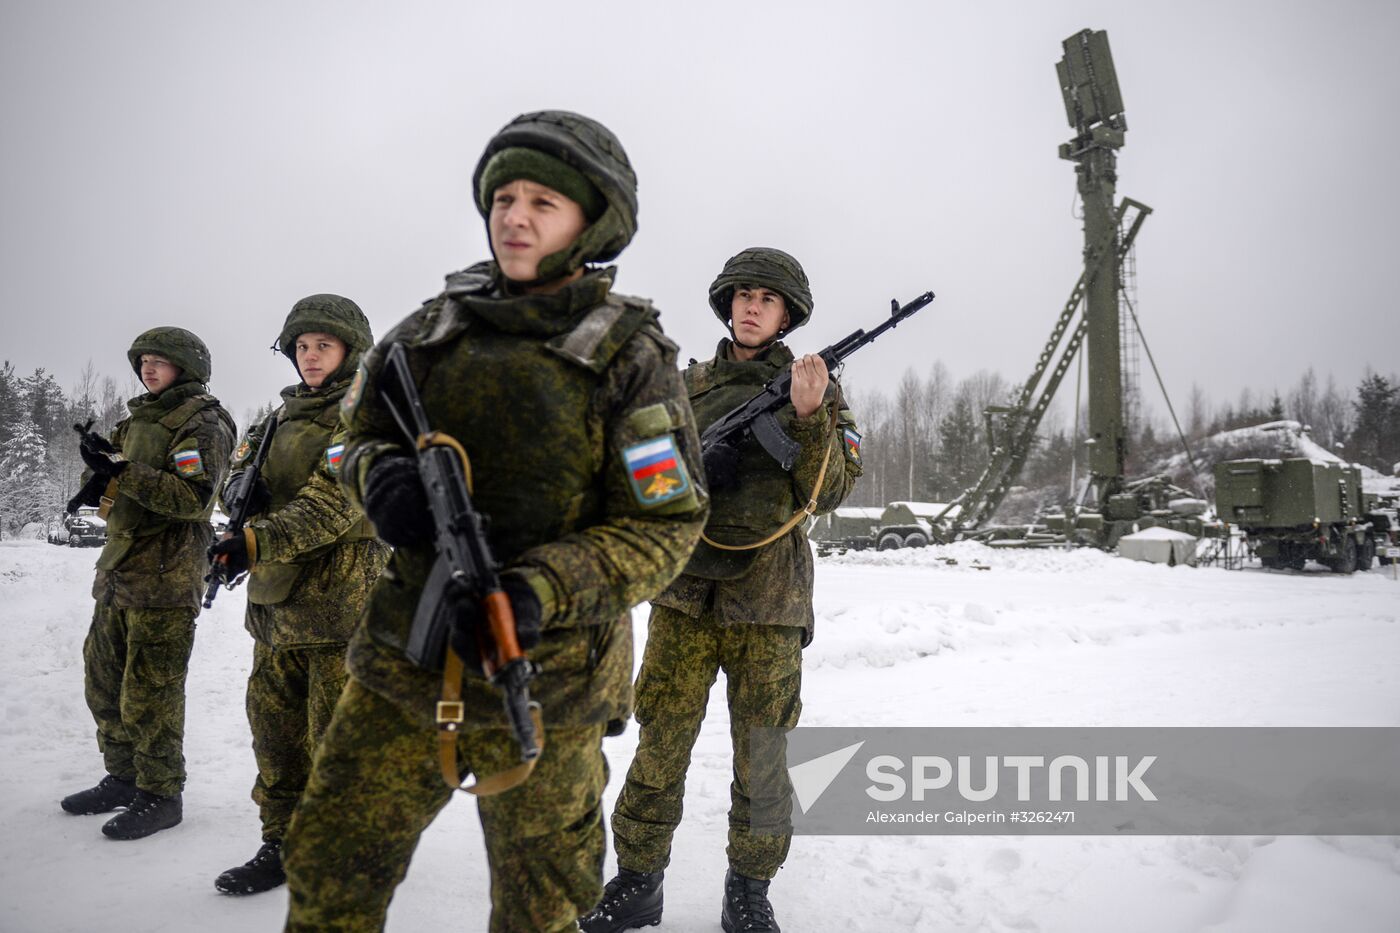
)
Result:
{"points": [[82, 529], [1297, 510], [848, 527]]}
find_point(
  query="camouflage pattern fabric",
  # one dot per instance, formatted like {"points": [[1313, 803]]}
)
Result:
{"points": [[317, 554], [763, 670], [376, 787], [149, 580], [158, 530], [134, 663], [767, 268], [771, 585], [292, 693], [748, 613], [548, 394]]}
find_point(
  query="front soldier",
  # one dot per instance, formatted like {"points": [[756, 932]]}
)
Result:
{"points": [[744, 603], [313, 557], [158, 475], [583, 455]]}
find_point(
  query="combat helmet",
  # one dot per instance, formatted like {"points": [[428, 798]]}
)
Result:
{"points": [[591, 149], [768, 268], [328, 314], [177, 345]]}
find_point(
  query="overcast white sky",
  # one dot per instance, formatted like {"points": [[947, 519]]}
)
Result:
{"points": [[207, 165]]}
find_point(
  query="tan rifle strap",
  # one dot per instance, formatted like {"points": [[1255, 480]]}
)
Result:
{"points": [[801, 514], [450, 714]]}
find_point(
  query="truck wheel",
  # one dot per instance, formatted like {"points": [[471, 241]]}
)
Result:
{"points": [[889, 542], [1346, 563], [1366, 555], [917, 539], [74, 541], [1269, 563]]}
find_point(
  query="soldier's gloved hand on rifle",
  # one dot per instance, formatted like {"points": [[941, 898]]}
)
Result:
{"points": [[523, 602], [90, 494], [234, 554], [396, 502], [721, 467], [259, 496], [100, 456]]}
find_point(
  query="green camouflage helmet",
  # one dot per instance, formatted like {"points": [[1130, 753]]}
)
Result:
{"points": [[593, 150], [768, 268], [177, 345], [327, 314]]}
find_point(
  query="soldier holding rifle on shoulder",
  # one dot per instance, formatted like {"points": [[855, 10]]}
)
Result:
{"points": [[744, 603]]}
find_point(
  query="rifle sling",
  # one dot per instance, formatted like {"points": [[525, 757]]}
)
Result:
{"points": [[449, 723], [801, 514]]}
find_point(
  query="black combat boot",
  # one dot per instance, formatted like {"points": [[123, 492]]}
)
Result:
{"points": [[746, 908], [262, 872], [111, 792], [630, 901], [147, 813]]}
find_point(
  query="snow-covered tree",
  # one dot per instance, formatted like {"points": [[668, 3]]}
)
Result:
{"points": [[28, 492]]}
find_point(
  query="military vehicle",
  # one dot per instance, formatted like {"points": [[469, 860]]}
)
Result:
{"points": [[845, 528], [1297, 510], [82, 529]]}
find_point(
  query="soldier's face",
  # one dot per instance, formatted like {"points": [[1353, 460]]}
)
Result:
{"points": [[529, 222], [318, 355], [758, 314], [157, 373]]}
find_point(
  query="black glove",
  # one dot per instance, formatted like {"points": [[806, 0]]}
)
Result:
{"points": [[99, 457], [259, 498], [96, 442], [233, 554], [90, 494], [396, 502], [469, 615], [721, 466]]}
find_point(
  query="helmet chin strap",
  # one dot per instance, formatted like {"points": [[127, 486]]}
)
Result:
{"points": [[761, 347]]}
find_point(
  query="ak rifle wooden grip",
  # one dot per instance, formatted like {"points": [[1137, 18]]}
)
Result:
{"points": [[500, 621]]}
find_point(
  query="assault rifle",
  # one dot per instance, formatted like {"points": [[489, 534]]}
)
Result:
{"points": [[464, 568], [91, 493], [756, 416], [238, 513]]}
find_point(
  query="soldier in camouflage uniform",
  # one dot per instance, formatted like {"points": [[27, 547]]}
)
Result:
{"points": [[158, 475], [747, 612], [584, 457], [313, 557]]}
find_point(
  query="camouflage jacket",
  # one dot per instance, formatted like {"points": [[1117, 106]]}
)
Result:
{"points": [[317, 554], [771, 585], [158, 527], [584, 457]]}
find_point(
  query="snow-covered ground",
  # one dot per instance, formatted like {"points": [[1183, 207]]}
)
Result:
{"points": [[903, 638]]}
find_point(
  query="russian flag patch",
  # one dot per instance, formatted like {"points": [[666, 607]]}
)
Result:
{"points": [[188, 462], [333, 455], [656, 471], [852, 444]]}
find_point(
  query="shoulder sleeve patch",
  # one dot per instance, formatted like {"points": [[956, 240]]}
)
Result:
{"points": [[851, 442], [241, 453], [188, 463], [334, 453], [656, 471]]}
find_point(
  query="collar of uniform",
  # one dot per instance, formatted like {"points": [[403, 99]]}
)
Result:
{"points": [[150, 407], [761, 368], [540, 315], [303, 402]]}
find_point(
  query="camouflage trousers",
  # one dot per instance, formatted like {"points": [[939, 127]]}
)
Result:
{"points": [[763, 668], [134, 664], [291, 695], [375, 786]]}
